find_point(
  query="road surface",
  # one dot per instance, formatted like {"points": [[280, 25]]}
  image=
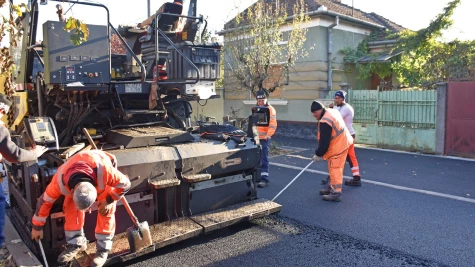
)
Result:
{"points": [[412, 210]]}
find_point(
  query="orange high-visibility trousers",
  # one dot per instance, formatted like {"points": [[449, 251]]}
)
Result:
{"points": [[74, 223], [336, 166], [351, 159]]}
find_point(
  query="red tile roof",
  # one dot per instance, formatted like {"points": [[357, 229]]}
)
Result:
{"points": [[337, 7]]}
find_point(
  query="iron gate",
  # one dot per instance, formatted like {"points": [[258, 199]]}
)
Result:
{"points": [[460, 119]]}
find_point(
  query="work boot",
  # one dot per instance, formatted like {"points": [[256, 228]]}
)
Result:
{"points": [[99, 258], [263, 183], [325, 191], [356, 181], [332, 197], [326, 181], [69, 253]]}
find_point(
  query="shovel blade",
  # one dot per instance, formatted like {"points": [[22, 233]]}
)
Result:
{"points": [[139, 238]]}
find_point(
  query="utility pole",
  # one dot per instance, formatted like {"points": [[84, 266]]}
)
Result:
{"points": [[352, 8], [148, 8]]}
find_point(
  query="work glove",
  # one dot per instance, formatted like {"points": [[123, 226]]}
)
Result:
{"points": [[40, 150], [3, 171], [36, 235], [316, 158], [104, 207]]}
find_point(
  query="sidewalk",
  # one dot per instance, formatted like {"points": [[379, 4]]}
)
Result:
{"points": [[19, 253], [16, 252]]}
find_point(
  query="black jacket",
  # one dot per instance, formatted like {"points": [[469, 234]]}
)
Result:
{"points": [[10, 151], [325, 138]]}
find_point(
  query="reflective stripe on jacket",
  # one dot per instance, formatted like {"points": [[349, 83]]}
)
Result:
{"points": [[340, 137], [102, 169], [268, 130]]}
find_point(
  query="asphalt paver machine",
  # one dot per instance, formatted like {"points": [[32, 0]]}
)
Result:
{"points": [[131, 89]]}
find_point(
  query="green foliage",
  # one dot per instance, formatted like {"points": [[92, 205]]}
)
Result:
{"points": [[82, 32], [220, 81], [365, 71], [206, 36], [425, 60], [255, 43], [10, 26]]}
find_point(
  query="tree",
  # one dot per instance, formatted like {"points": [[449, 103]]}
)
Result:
{"points": [[12, 26], [425, 60], [257, 52]]}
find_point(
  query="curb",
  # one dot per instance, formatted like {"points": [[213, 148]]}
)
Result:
{"points": [[413, 153], [21, 254]]}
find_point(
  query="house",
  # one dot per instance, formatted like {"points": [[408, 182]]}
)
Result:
{"points": [[332, 27]]}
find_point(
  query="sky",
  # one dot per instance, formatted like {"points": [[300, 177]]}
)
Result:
{"points": [[412, 14]]}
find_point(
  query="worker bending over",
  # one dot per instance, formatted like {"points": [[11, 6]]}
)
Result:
{"points": [[83, 178]]}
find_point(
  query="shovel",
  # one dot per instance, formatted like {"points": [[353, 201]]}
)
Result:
{"points": [[139, 236], [43, 252]]}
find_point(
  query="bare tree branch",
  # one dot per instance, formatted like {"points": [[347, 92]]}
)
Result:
{"points": [[258, 43]]}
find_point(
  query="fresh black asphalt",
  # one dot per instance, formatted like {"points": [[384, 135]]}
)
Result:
{"points": [[374, 225]]}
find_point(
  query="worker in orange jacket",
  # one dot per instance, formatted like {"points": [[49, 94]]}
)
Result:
{"points": [[334, 139], [265, 135], [85, 177]]}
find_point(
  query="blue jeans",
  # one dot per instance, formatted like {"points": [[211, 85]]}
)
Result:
{"points": [[265, 159], [2, 215]]}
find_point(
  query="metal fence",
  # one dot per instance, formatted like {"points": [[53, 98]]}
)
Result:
{"points": [[401, 108]]}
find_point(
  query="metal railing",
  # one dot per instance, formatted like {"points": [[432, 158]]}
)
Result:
{"points": [[157, 49], [399, 108]]}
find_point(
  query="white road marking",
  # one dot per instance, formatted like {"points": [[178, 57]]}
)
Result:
{"points": [[431, 193], [299, 157], [360, 146]]}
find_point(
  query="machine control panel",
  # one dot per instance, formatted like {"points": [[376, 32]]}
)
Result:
{"points": [[41, 131], [65, 63], [70, 74]]}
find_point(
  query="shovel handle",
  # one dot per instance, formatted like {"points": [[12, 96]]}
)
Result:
{"points": [[89, 138], [135, 220], [43, 252]]}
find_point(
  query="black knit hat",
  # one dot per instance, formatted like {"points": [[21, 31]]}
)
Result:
{"points": [[261, 94], [341, 94], [4, 101], [316, 105]]}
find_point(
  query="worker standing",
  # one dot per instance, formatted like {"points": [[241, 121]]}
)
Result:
{"points": [[83, 178], [348, 113], [334, 139], [265, 135], [12, 153]]}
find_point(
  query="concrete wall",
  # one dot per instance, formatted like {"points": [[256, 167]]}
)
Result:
{"points": [[421, 140], [441, 118]]}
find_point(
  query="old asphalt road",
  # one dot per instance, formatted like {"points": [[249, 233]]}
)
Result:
{"points": [[412, 210]]}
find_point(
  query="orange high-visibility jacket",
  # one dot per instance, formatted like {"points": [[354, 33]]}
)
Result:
{"points": [[340, 138], [268, 130], [100, 166]]}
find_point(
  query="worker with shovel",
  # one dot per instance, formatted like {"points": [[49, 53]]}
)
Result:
{"points": [[334, 139], [83, 178]]}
